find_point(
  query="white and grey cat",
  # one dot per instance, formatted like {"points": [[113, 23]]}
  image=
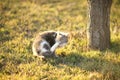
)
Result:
{"points": [[47, 42]]}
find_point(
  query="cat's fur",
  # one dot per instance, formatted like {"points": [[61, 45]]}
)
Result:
{"points": [[47, 42]]}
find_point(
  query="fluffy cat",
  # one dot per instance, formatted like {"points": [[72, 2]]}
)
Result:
{"points": [[47, 42]]}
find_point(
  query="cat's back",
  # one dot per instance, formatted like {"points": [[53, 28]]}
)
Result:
{"points": [[46, 36]]}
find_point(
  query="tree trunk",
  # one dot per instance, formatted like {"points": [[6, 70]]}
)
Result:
{"points": [[99, 24]]}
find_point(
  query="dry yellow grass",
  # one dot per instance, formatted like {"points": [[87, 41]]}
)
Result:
{"points": [[21, 20]]}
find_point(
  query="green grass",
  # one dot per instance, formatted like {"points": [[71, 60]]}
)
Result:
{"points": [[22, 20]]}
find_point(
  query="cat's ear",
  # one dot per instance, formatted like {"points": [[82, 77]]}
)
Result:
{"points": [[55, 34], [58, 33], [65, 33]]}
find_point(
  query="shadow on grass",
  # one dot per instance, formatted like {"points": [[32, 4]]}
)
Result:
{"points": [[106, 68], [115, 46]]}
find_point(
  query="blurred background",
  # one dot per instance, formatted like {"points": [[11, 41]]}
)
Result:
{"points": [[22, 20]]}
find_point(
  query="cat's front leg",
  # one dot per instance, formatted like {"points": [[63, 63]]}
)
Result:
{"points": [[54, 47]]}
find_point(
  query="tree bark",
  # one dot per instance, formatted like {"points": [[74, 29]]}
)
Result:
{"points": [[99, 24]]}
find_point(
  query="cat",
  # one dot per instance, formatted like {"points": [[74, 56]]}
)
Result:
{"points": [[47, 42]]}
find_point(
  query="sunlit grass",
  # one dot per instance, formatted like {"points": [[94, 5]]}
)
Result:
{"points": [[21, 21]]}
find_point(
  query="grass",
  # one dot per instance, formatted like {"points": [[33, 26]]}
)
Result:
{"points": [[21, 21]]}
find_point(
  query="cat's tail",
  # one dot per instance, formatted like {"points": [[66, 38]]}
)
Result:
{"points": [[35, 52]]}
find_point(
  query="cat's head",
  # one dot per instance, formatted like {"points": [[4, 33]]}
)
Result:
{"points": [[62, 37]]}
